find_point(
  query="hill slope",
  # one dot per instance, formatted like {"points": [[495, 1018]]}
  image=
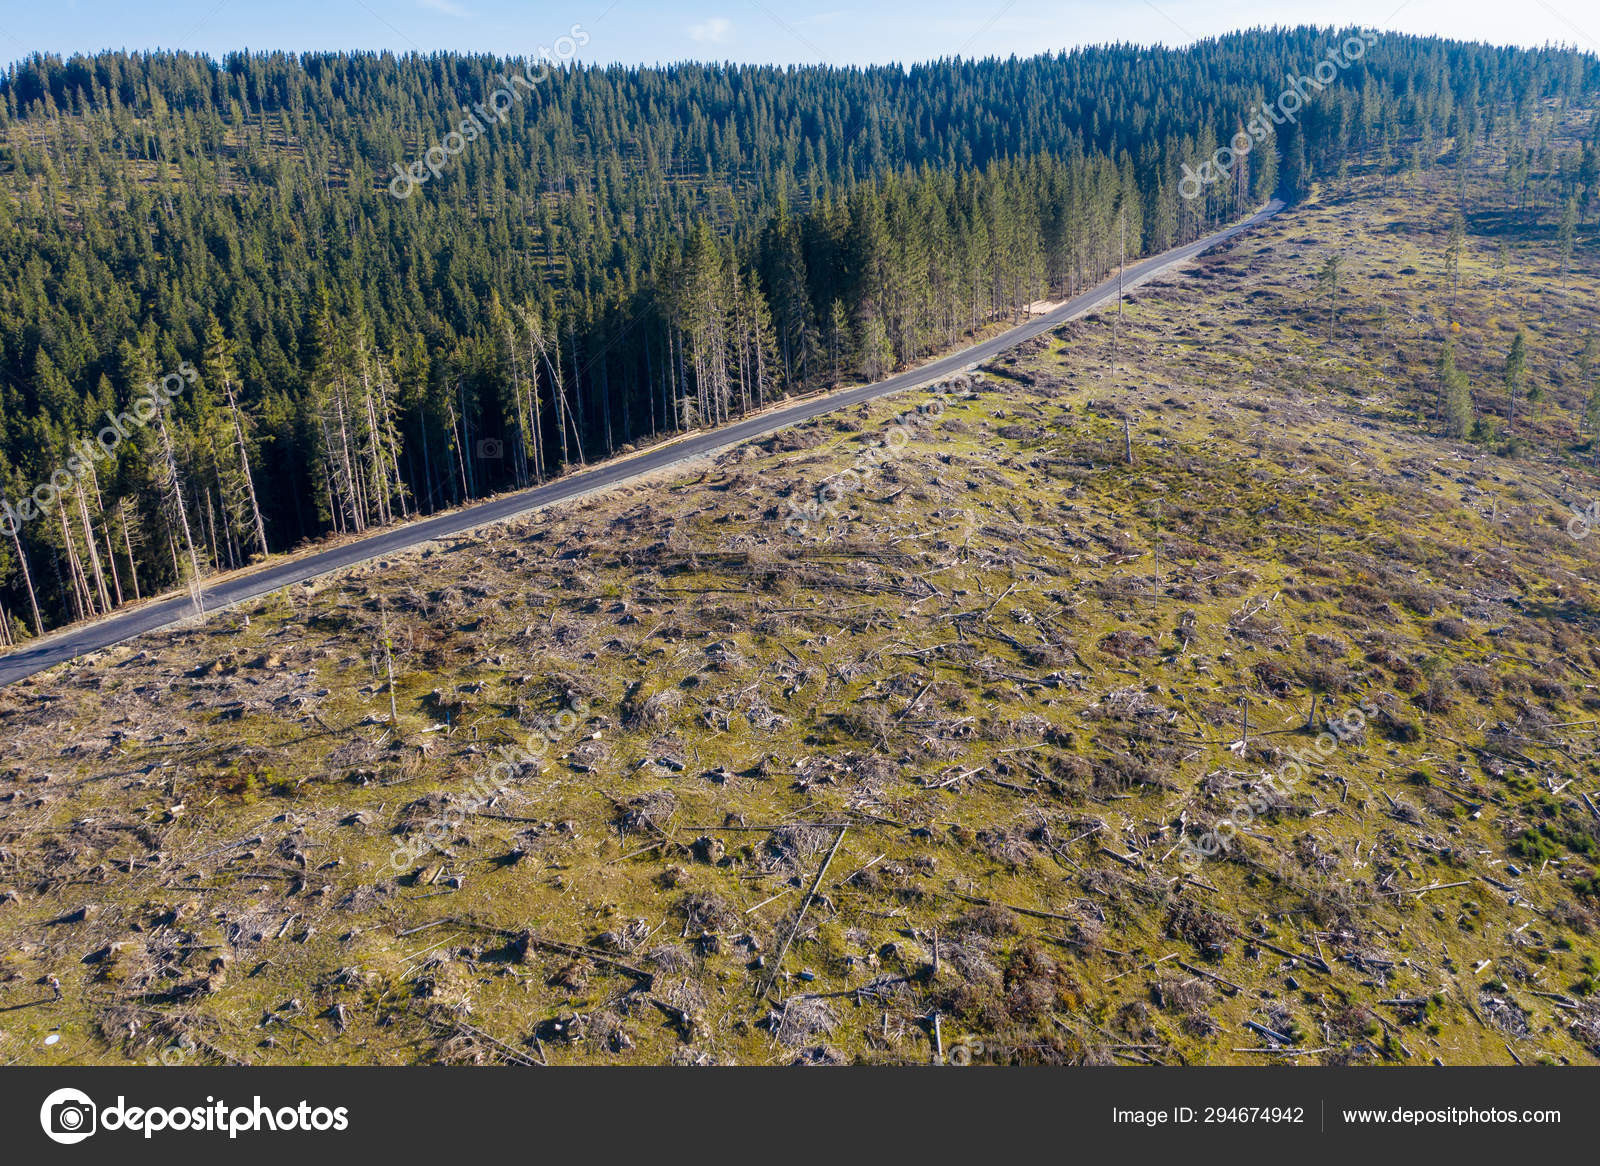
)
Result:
{"points": [[915, 771]]}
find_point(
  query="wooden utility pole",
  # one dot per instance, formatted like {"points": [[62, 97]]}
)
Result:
{"points": [[388, 664], [1155, 593]]}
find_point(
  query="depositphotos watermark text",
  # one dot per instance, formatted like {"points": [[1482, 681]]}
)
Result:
{"points": [[485, 114]]}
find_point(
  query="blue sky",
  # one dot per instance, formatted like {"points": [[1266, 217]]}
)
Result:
{"points": [[784, 31]]}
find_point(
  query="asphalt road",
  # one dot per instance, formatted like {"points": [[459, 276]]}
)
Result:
{"points": [[93, 637]]}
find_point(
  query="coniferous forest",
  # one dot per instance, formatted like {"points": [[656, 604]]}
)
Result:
{"points": [[633, 252]]}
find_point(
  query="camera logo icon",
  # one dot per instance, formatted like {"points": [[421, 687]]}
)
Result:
{"points": [[964, 1052], [1584, 522], [491, 449], [68, 1116]]}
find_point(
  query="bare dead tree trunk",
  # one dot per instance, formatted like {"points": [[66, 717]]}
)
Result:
{"points": [[127, 545], [174, 488], [244, 466], [94, 552], [27, 579], [105, 530], [82, 599], [390, 441], [533, 393]]}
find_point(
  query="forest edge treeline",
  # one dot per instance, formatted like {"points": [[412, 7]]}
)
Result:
{"points": [[639, 252]]}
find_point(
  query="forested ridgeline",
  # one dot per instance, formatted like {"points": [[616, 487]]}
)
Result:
{"points": [[631, 252]]}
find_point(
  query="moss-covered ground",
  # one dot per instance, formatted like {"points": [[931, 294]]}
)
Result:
{"points": [[1080, 616]]}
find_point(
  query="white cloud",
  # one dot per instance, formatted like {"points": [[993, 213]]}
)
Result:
{"points": [[448, 7], [712, 32]]}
